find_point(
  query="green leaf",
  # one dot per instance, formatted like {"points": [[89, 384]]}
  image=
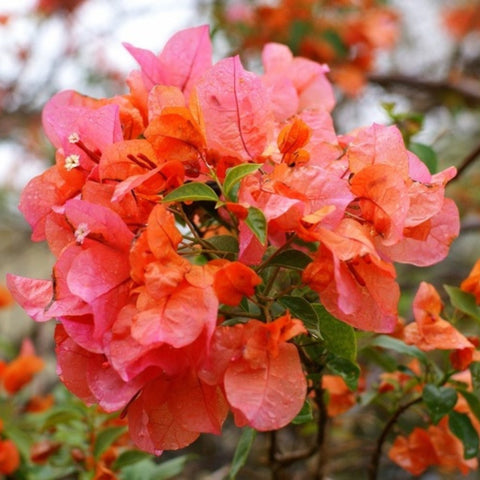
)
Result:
{"points": [[461, 426], [242, 451], [60, 415], [475, 372], [339, 337], [227, 245], [305, 415], [302, 309], [20, 438], [439, 401], [129, 457], [473, 402], [257, 223], [298, 30], [293, 259], [148, 470], [192, 192], [335, 41], [463, 301], [235, 174], [391, 343], [380, 358], [105, 438], [426, 154], [348, 370]]}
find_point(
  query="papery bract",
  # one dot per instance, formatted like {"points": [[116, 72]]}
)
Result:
{"points": [[471, 284], [430, 331], [233, 281], [235, 110], [340, 397], [255, 365], [353, 282], [184, 58]]}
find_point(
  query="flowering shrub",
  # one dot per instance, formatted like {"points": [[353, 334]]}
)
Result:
{"points": [[217, 243], [345, 34]]}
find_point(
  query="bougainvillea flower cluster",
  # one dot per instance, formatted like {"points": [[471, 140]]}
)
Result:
{"points": [[171, 210]]}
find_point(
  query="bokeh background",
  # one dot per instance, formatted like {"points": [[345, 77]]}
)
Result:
{"points": [[418, 64]]}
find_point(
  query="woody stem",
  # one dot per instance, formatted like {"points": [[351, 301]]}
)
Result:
{"points": [[375, 459], [321, 431]]}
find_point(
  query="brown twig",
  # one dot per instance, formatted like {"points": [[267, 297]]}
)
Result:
{"points": [[467, 161], [375, 459], [470, 91]]}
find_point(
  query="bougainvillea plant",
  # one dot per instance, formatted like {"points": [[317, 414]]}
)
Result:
{"points": [[217, 244], [345, 34]]}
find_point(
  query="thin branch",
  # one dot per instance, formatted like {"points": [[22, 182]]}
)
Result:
{"points": [[375, 460], [467, 89], [467, 161]]}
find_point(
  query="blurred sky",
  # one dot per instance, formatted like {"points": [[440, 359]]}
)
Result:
{"points": [[101, 26]]}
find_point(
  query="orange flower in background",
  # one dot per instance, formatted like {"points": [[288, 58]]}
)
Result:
{"points": [[21, 370], [472, 283], [40, 452], [341, 398], [462, 20], [435, 446], [6, 298], [414, 453], [39, 403], [342, 35], [391, 380], [9, 457]]}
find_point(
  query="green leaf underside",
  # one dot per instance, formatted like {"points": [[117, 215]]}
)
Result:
{"points": [[192, 192]]}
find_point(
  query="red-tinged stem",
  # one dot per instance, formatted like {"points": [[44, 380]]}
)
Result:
{"points": [[375, 459]]}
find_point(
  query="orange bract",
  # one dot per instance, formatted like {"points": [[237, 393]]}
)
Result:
{"points": [[234, 281], [6, 298], [430, 331], [472, 283], [21, 370], [340, 397], [435, 446]]}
